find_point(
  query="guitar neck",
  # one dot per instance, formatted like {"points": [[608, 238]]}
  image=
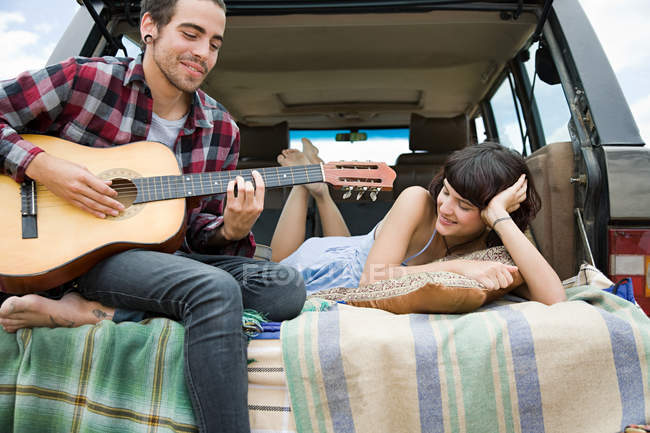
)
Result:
{"points": [[199, 184]]}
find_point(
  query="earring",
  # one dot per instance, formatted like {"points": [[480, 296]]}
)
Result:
{"points": [[147, 39]]}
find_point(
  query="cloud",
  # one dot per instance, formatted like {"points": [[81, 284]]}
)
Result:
{"points": [[21, 49], [560, 134], [641, 110], [7, 18], [43, 28], [622, 30], [624, 34]]}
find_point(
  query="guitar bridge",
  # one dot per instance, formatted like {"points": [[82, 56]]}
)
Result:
{"points": [[28, 209]]}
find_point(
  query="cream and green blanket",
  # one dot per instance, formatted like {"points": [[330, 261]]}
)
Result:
{"points": [[510, 367]]}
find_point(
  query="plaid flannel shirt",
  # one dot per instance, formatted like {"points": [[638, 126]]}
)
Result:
{"points": [[102, 102]]}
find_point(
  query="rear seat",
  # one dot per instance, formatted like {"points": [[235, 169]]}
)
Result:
{"points": [[551, 168], [431, 140]]}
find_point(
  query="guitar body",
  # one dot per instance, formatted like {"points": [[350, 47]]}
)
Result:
{"points": [[70, 241]]}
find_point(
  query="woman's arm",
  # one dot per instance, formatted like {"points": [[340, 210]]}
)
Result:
{"points": [[492, 275], [543, 283]]}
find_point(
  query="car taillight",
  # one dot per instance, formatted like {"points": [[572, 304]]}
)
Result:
{"points": [[629, 256]]}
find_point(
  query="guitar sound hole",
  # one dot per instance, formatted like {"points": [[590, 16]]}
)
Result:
{"points": [[126, 191]]}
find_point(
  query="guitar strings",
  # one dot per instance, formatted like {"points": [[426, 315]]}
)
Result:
{"points": [[130, 191], [204, 180], [153, 186]]}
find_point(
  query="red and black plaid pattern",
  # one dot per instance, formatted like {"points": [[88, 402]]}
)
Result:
{"points": [[102, 102]]}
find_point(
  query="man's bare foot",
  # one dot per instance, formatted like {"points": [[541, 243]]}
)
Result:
{"points": [[293, 157], [310, 151], [31, 311]]}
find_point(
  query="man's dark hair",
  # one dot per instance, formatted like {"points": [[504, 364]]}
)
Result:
{"points": [[162, 11], [480, 172]]}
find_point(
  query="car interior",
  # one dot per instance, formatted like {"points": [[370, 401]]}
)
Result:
{"points": [[438, 74], [429, 72]]}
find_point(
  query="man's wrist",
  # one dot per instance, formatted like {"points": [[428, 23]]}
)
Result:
{"points": [[224, 233], [32, 168], [227, 235], [219, 238]]}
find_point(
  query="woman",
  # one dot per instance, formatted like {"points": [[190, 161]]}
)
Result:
{"points": [[482, 197]]}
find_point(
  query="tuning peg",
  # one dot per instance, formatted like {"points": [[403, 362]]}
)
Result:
{"points": [[373, 194], [348, 192], [361, 190]]}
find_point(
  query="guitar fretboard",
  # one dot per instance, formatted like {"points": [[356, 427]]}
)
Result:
{"points": [[192, 185]]}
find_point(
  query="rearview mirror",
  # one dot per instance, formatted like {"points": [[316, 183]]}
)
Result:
{"points": [[352, 136]]}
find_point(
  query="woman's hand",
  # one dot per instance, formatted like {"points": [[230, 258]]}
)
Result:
{"points": [[492, 275], [505, 202]]}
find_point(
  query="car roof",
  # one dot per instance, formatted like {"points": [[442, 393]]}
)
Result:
{"points": [[336, 65]]}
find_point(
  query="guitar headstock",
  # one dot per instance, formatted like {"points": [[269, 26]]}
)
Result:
{"points": [[359, 176]]}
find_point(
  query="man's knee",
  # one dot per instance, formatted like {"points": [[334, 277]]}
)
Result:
{"points": [[277, 290], [272, 275], [217, 288]]}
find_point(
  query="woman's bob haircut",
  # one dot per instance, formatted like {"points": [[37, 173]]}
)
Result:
{"points": [[480, 172]]}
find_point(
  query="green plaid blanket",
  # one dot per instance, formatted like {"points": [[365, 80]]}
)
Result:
{"points": [[105, 378]]}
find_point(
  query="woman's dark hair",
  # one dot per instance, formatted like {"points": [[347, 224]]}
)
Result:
{"points": [[480, 172], [162, 11]]}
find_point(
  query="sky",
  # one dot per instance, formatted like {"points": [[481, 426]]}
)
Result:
{"points": [[29, 30]]}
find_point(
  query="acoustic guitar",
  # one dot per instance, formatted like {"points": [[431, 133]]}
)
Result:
{"points": [[46, 241]]}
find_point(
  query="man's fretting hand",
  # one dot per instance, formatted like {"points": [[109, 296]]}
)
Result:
{"points": [[242, 210]]}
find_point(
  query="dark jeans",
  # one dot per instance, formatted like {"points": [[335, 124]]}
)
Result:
{"points": [[207, 294]]}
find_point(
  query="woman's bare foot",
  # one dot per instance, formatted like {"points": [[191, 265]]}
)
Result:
{"points": [[310, 151], [293, 157], [31, 311]]}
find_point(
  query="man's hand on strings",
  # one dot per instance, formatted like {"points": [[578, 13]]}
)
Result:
{"points": [[242, 209], [75, 184]]}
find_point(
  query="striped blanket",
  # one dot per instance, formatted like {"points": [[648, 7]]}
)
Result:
{"points": [[509, 367]]}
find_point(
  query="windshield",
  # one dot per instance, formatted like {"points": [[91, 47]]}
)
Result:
{"points": [[383, 145]]}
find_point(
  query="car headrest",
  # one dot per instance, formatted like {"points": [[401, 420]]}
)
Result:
{"points": [[438, 135], [263, 142]]}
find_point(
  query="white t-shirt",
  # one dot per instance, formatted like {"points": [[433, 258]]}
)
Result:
{"points": [[165, 131]]}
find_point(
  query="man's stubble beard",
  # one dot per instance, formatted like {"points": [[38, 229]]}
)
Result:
{"points": [[161, 59]]}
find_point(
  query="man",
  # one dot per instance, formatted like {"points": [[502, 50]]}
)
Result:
{"points": [[102, 102]]}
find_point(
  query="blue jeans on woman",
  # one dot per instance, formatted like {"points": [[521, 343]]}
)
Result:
{"points": [[207, 294]]}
